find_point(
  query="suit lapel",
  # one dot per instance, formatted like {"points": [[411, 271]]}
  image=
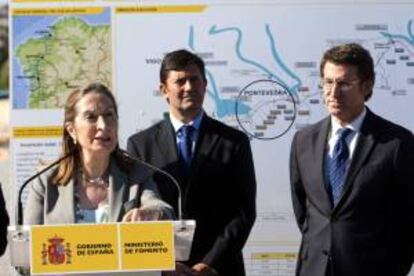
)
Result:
{"points": [[118, 183], [321, 196], [166, 144], [166, 140], [205, 143], [65, 205]]}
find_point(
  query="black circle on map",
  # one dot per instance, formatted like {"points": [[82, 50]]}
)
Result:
{"points": [[265, 109]]}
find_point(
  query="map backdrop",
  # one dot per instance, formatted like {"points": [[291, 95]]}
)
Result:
{"points": [[262, 69]]}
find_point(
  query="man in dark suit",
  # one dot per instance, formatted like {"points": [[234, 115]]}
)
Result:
{"points": [[212, 162], [353, 190], [4, 222]]}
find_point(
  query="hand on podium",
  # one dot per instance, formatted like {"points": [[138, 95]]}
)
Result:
{"points": [[199, 269], [180, 270], [142, 214], [202, 269]]}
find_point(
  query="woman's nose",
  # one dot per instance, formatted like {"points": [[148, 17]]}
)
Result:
{"points": [[100, 123]]}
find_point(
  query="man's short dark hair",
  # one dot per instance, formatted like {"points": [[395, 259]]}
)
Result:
{"points": [[351, 54], [179, 60]]}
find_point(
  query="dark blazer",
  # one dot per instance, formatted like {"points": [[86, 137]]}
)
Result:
{"points": [[4, 222], [219, 194], [370, 231], [48, 203]]}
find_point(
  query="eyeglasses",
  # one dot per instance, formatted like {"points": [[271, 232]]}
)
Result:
{"points": [[343, 85]]}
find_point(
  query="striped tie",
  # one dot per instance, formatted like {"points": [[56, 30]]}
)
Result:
{"points": [[337, 168]]}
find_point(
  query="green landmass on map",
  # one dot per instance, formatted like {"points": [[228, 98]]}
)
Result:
{"points": [[69, 54], [4, 75]]}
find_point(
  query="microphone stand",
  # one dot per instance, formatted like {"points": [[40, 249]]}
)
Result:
{"points": [[19, 214], [18, 235], [169, 176], [183, 229]]}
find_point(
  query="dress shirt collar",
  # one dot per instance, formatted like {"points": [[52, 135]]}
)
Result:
{"points": [[177, 124], [355, 125]]}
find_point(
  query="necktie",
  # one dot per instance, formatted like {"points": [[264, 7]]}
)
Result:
{"points": [[337, 168], [185, 144]]}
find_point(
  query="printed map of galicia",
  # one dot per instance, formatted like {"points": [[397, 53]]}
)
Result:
{"points": [[57, 54]]}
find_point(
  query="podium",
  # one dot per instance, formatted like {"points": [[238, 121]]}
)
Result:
{"points": [[124, 245]]}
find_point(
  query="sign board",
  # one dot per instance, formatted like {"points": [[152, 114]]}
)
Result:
{"points": [[91, 248]]}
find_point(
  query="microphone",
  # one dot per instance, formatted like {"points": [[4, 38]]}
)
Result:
{"points": [[183, 229], [19, 214], [163, 172]]}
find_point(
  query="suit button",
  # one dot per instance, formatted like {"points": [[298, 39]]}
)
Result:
{"points": [[327, 254]]}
